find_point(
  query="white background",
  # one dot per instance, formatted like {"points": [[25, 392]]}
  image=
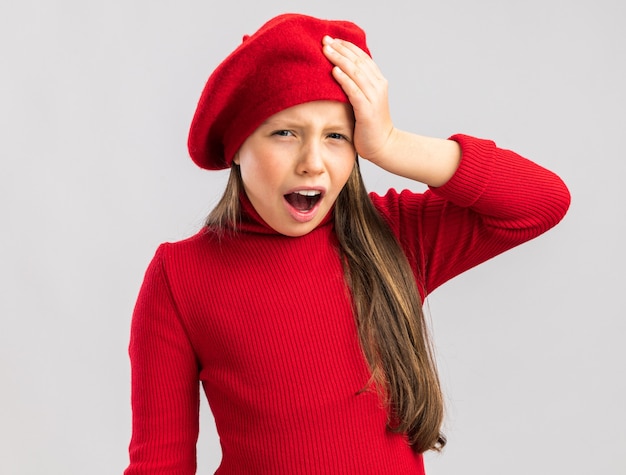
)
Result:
{"points": [[95, 104]]}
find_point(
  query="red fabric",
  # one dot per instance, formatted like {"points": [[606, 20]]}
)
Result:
{"points": [[264, 322], [280, 66]]}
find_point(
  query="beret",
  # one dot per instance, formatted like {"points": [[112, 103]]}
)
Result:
{"points": [[279, 66]]}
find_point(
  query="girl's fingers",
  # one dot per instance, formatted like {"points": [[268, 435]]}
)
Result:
{"points": [[351, 88], [357, 74], [354, 62], [352, 53], [366, 88], [357, 56]]}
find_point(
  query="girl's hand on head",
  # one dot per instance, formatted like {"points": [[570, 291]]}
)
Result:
{"points": [[428, 160], [366, 88]]}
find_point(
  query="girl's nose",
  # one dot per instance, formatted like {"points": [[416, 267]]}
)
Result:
{"points": [[310, 161]]}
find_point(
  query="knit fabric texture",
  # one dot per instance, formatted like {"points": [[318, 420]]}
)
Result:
{"points": [[279, 66], [264, 323]]}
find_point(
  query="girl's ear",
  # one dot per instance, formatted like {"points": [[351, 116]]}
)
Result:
{"points": [[236, 159]]}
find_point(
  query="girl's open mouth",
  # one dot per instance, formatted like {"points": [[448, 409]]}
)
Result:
{"points": [[303, 200]]}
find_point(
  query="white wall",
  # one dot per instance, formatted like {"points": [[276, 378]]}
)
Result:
{"points": [[95, 102]]}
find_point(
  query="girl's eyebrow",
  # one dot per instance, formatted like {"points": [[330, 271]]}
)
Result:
{"points": [[295, 124]]}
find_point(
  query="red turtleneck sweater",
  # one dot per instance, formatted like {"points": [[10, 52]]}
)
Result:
{"points": [[264, 323]]}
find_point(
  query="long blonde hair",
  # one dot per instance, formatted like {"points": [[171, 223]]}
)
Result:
{"points": [[388, 309]]}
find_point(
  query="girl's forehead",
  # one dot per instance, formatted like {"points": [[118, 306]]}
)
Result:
{"points": [[332, 111]]}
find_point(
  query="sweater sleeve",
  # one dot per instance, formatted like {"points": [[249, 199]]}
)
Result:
{"points": [[165, 387], [495, 201]]}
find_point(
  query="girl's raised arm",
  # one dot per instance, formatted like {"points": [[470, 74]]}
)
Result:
{"points": [[482, 199]]}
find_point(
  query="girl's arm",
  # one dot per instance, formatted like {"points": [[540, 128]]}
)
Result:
{"points": [[165, 382], [496, 200], [482, 199]]}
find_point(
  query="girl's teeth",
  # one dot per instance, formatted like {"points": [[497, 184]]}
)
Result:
{"points": [[308, 192]]}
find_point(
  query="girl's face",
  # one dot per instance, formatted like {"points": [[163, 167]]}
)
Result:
{"points": [[295, 164]]}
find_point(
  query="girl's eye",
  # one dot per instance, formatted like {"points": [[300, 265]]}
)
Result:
{"points": [[337, 136], [282, 133]]}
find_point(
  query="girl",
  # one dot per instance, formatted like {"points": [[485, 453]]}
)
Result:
{"points": [[299, 305]]}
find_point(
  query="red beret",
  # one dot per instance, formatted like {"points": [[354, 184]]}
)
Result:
{"points": [[279, 66]]}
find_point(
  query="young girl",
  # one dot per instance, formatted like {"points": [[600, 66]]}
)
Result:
{"points": [[299, 305]]}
